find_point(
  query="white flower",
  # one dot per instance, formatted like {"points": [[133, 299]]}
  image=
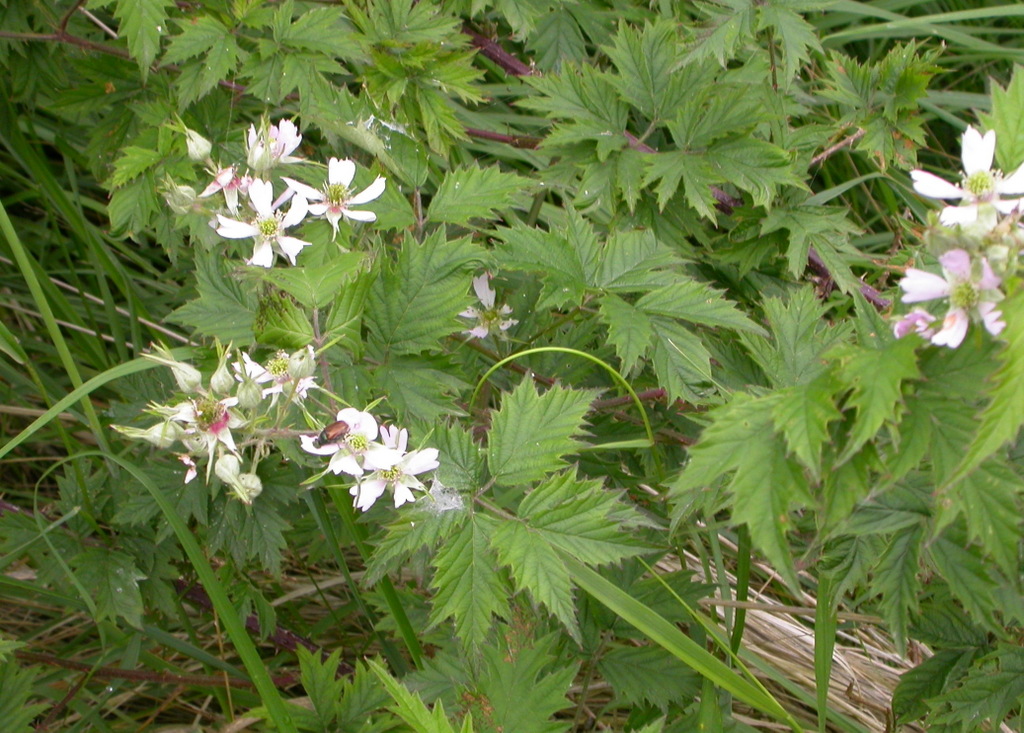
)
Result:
{"points": [[278, 371], [228, 181], [267, 227], [971, 292], [355, 451], [273, 146], [401, 477], [489, 319], [335, 199], [981, 186]]}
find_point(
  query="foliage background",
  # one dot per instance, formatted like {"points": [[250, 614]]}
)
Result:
{"points": [[709, 200]]}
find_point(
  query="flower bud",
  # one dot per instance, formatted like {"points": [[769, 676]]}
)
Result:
{"points": [[301, 364], [187, 376], [227, 468], [198, 146], [248, 487], [162, 435], [181, 199], [222, 381], [249, 394]]}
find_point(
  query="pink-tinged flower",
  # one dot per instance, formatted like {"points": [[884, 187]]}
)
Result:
{"points": [[917, 321], [271, 146], [267, 227], [980, 186], [972, 292], [401, 477], [228, 181], [335, 199], [489, 319], [190, 466], [355, 450]]}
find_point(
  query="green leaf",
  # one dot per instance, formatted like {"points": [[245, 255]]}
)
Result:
{"points": [[647, 61], [557, 41], [876, 378], [474, 193], [972, 580], [281, 323], [692, 170], [532, 432], [896, 578], [629, 330], [730, 24], [649, 674], [415, 303], [827, 230], [143, 22], [926, 681], [989, 499], [134, 161], [521, 696], [989, 692], [1007, 109], [469, 588], [217, 52], [558, 261], [420, 527], [765, 484], [802, 414], [582, 518], [800, 336], [316, 287], [112, 580], [680, 359], [223, 310], [536, 567], [795, 35], [424, 386], [15, 709], [753, 165], [632, 261], [409, 707], [1002, 417], [323, 684], [695, 302]]}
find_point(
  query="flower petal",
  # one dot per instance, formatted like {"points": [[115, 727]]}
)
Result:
{"points": [[978, 150], [992, 318], [919, 285], [370, 193], [308, 443], [308, 192], [357, 215], [340, 171], [930, 185], [234, 229], [261, 194], [290, 247], [484, 291], [296, 213], [953, 215], [367, 492], [957, 262], [989, 280], [954, 328], [262, 255]]}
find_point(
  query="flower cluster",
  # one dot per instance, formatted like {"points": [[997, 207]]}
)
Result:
{"points": [[977, 242], [253, 210], [352, 443], [206, 419]]}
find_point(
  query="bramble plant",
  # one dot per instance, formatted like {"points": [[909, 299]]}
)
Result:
{"points": [[511, 366]]}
